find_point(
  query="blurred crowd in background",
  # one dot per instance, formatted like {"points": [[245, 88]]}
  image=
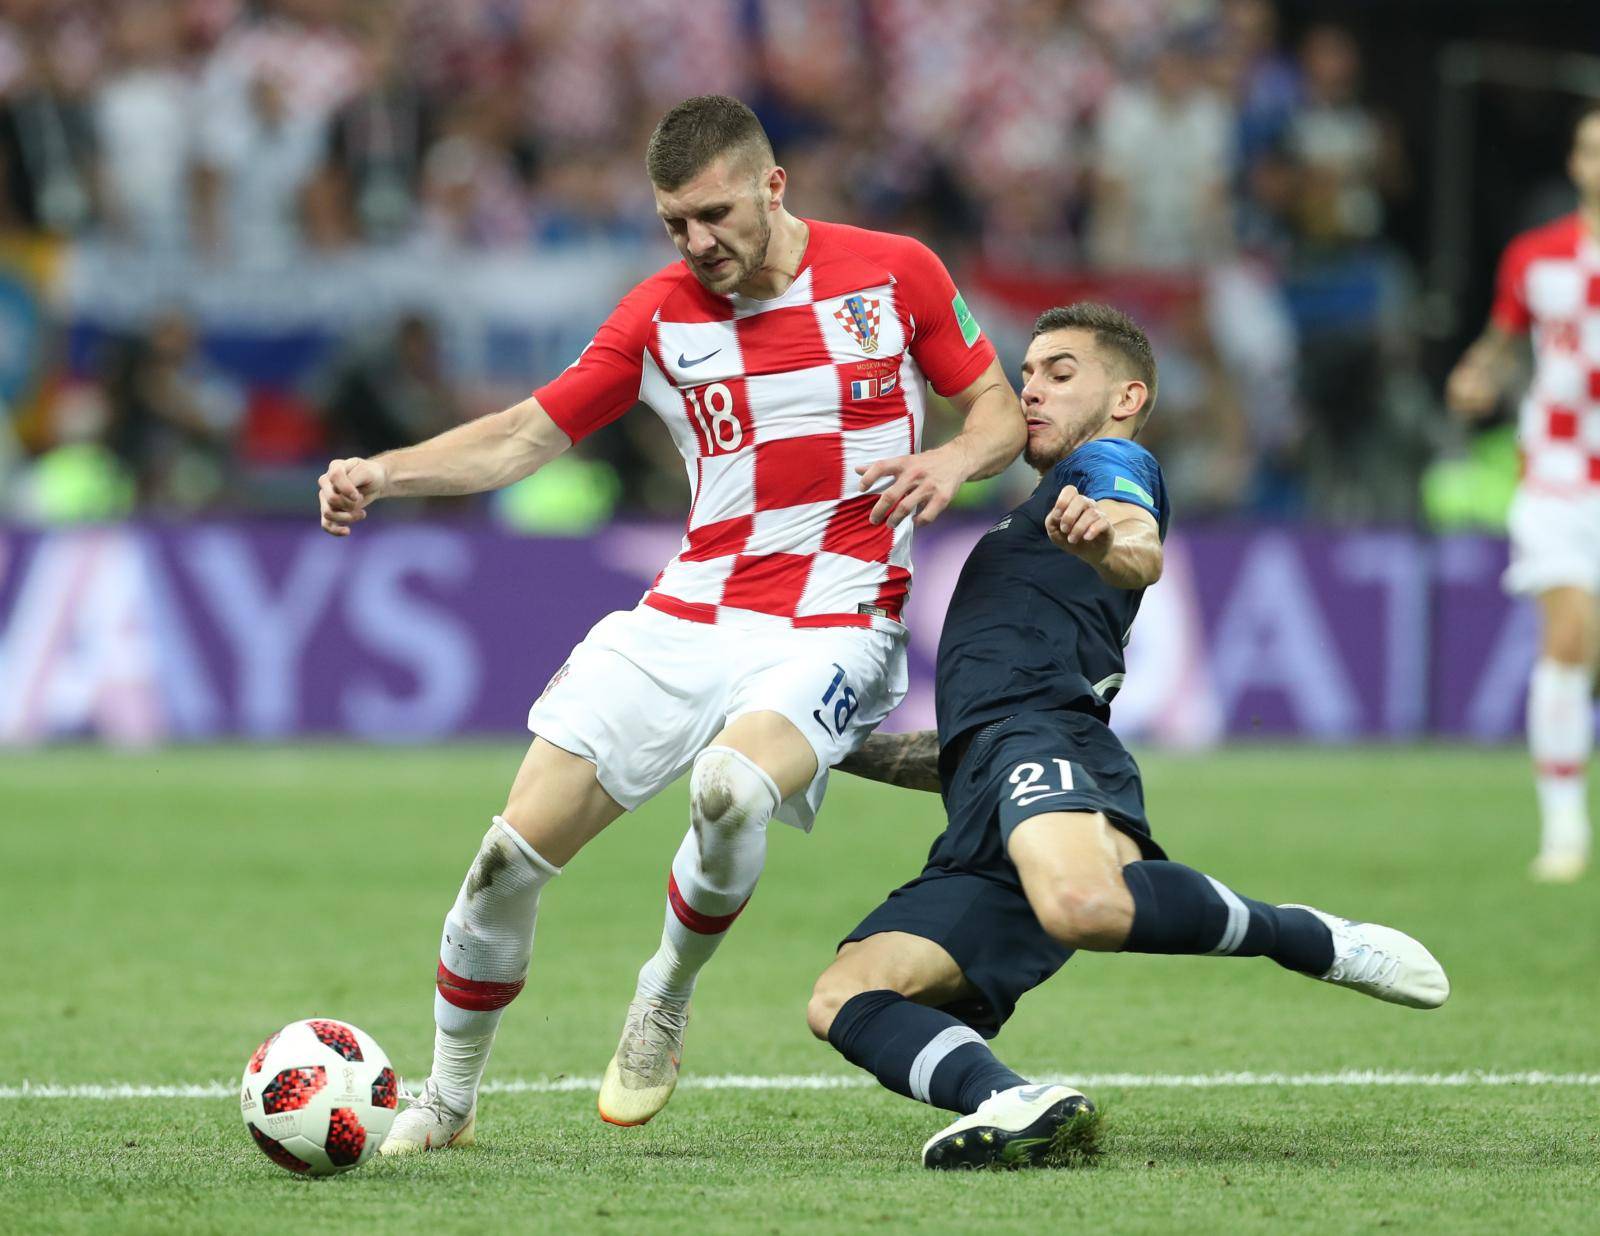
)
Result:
{"points": [[1225, 168]]}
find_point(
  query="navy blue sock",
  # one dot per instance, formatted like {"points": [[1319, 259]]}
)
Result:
{"points": [[1177, 909], [919, 1052]]}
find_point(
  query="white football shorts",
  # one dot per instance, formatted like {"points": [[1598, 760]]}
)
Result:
{"points": [[1555, 542], [645, 692]]}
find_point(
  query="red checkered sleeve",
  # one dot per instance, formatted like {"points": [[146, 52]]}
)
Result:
{"points": [[1510, 309], [947, 343], [603, 382]]}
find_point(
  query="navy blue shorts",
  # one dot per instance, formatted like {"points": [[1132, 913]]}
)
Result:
{"points": [[969, 899]]}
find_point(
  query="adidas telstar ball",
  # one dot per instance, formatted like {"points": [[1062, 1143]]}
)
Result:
{"points": [[319, 1097]]}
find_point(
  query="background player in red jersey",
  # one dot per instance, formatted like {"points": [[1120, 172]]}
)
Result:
{"points": [[1549, 281], [788, 359]]}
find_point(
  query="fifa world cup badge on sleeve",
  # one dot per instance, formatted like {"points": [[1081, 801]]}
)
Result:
{"points": [[1125, 486], [965, 320]]}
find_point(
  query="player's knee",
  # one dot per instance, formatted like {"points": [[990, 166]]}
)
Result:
{"points": [[1092, 916], [1570, 644], [728, 792], [830, 994], [1571, 627]]}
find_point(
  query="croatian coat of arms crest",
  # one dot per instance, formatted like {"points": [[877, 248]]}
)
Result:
{"points": [[859, 317]]}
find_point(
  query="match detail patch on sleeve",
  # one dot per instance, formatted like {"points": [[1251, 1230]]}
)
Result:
{"points": [[965, 320], [1123, 485]]}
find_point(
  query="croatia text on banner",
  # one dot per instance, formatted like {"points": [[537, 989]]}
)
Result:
{"points": [[419, 631]]}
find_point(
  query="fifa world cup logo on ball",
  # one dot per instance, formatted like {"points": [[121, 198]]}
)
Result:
{"points": [[318, 1097]]}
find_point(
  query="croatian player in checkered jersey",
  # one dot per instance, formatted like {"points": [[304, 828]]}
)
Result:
{"points": [[1549, 280], [788, 358], [1047, 848]]}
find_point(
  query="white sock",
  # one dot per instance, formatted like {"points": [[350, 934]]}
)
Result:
{"points": [[715, 870], [483, 958], [1560, 739]]}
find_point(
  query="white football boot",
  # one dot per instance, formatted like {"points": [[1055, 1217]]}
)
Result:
{"points": [[1382, 962], [643, 1074], [427, 1124], [1559, 866], [1564, 847], [1011, 1128]]}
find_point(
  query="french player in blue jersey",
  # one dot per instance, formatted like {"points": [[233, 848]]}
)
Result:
{"points": [[1047, 848]]}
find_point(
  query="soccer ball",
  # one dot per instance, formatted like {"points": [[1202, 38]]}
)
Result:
{"points": [[319, 1097]]}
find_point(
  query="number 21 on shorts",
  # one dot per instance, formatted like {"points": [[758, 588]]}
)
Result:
{"points": [[719, 415], [839, 704], [1029, 783]]}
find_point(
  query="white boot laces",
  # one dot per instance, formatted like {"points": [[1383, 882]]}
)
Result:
{"points": [[1366, 965], [653, 1031], [432, 1103], [429, 1101]]}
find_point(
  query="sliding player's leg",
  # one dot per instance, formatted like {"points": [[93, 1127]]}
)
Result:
{"points": [[1107, 887], [800, 701], [1157, 906], [879, 1005], [898, 1004], [1091, 890], [938, 968], [1561, 728]]}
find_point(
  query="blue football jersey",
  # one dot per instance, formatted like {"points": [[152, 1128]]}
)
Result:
{"points": [[1030, 626]]}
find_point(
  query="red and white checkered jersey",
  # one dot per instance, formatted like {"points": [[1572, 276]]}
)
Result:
{"points": [[1549, 280], [773, 404]]}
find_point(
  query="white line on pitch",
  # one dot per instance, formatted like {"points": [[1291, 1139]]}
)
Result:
{"points": [[855, 1081]]}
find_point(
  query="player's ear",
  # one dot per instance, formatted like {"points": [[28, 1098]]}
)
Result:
{"points": [[777, 181], [1130, 399]]}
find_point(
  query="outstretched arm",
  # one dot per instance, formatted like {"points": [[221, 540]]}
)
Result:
{"points": [[486, 453], [910, 760], [1475, 385], [497, 450], [1121, 541]]}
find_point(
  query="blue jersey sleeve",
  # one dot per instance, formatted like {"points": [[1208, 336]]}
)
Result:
{"points": [[1119, 469]]}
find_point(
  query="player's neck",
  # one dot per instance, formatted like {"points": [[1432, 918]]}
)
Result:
{"points": [[785, 251], [1107, 431], [1589, 216]]}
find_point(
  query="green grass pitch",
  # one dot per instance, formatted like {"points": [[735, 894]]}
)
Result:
{"points": [[164, 910]]}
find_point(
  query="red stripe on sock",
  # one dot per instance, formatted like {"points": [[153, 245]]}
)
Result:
{"points": [[704, 924], [1552, 768], [471, 994]]}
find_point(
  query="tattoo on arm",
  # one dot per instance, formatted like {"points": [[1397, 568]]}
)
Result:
{"points": [[910, 760]]}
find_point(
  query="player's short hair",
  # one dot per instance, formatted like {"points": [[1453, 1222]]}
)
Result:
{"points": [[699, 131], [1125, 342]]}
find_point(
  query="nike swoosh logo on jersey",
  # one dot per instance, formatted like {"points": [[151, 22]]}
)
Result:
{"points": [[1033, 798], [690, 364]]}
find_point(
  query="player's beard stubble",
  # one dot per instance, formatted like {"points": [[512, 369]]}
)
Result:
{"points": [[1045, 451], [745, 265]]}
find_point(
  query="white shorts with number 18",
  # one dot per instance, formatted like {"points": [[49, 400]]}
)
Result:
{"points": [[645, 692]]}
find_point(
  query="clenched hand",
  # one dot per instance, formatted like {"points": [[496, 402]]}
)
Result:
{"points": [[1078, 525], [1472, 391], [345, 491]]}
